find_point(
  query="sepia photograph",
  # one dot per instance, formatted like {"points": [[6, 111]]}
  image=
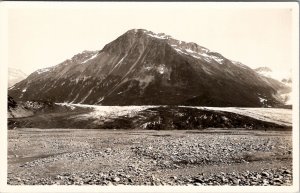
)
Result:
{"points": [[149, 96]]}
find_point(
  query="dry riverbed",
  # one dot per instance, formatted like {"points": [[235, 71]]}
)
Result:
{"points": [[148, 157]]}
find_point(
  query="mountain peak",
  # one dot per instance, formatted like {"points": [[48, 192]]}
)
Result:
{"points": [[263, 69], [83, 56], [148, 33], [136, 30], [182, 47]]}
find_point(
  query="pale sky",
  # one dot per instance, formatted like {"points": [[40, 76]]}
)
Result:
{"points": [[40, 37]]}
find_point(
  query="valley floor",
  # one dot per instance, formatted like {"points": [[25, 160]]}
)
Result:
{"points": [[149, 157]]}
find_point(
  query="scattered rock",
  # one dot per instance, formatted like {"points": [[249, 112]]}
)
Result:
{"points": [[116, 179], [265, 174]]}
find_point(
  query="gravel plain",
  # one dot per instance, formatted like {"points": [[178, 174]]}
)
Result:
{"points": [[149, 157]]}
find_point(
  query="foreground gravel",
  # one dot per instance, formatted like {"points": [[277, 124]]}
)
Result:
{"points": [[106, 157], [276, 177]]}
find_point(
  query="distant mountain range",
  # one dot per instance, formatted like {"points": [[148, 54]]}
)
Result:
{"points": [[144, 68], [285, 94], [15, 76], [268, 72]]}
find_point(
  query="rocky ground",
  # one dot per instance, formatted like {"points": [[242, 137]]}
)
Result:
{"points": [[147, 157]]}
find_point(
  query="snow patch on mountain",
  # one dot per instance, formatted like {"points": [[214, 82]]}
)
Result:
{"points": [[262, 100], [100, 100], [156, 36], [217, 59], [191, 51], [198, 55], [209, 58], [180, 51], [75, 99], [205, 50], [120, 61], [86, 77], [40, 71], [89, 93], [161, 68], [92, 57], [159, 35], [70, 105]]}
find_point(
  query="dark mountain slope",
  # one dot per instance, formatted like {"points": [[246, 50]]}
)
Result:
{"points": [[144, 68]]}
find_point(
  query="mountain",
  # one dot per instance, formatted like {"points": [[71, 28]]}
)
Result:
{"points": [[14, 76], [280, 76], [144, 68], [285, 93], [265, 71]]}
